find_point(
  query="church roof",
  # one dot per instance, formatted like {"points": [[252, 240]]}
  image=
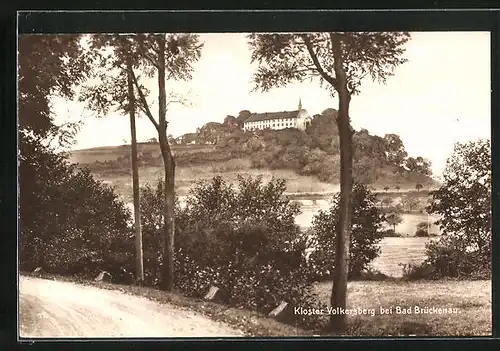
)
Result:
{"points": [[256, 117]]}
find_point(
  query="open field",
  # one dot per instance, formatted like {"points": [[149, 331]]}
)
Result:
{"points": [[188, 174], [186, 177], [111, 153], [396, 251], [471, 299]]}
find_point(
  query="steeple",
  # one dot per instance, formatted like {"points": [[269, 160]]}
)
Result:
{"points": [[300, 104]]}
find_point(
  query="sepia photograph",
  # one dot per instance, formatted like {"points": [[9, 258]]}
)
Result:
{"points": [[177, 185]]}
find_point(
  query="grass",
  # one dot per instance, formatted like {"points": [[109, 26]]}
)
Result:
{"points": [[395, 251], [111, 153], [472, 299], [186, 177]]}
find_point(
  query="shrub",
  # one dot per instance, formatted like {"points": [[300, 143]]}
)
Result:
{"points": [[244, 241], [464, 205], [421, 233], [390, 233], [366, 233], [451, 257], [70, 223], [371, 274], [414, 271]]}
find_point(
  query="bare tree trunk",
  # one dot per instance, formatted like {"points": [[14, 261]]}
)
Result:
{"points": [[167, 276], [339, 288], [139, 260]]}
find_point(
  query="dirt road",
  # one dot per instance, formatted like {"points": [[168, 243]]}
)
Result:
{"points": [[61, 309]]}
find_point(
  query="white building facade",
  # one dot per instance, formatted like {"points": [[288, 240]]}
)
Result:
{"points": [[278, 120]]}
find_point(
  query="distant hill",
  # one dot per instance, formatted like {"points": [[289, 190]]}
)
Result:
{"points": [[309, 160]]}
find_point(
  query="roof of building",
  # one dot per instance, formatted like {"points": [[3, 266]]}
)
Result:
{"points": [[256, 117]]}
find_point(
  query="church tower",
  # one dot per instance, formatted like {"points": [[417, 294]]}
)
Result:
{"points": [[300, 104]]}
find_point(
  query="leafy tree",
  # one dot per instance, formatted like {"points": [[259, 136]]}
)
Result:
{"points": [[366, 234], [341, 60], [243, 239], [230, 120], [69, 222], [419, 186], [395, 149], [464, 203], [419, 165], [422, 229], [324, 131], [410, 203], [48, 66], [115, 88], [242, 116], [369, 156], [393, 218], [397, 187], [169, 57], [386, 188], [387, 201]]}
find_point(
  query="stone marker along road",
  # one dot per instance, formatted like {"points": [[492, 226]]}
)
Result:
{"points": [[61, 309]]}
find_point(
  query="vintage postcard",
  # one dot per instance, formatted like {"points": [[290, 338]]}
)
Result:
{"points": [[254, 184]]}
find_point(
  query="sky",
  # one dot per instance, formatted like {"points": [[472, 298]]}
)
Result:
{"points": [[440, 96]]}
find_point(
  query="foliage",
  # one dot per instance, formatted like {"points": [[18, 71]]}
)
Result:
{"points": [[366, 234], [419, 165], [450, 257], [415, 271], [289, 58], [464, 205], [393, 216], [421, 233], [410, 203], [48, 66], [422, 229], [396, 153], [390, 233], [69, 222], [244, 240]]}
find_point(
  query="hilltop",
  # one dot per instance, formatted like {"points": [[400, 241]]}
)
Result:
{"points": [[309, 160]]}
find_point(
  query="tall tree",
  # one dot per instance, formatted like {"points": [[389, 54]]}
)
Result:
{"points": [[464, 200], [115, 88], [395, 150], [170, 57], [341, 60], [419, 165], [48, 66]]}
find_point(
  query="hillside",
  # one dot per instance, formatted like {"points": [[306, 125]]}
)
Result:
{"points": [[309, 160], [197, 162]]}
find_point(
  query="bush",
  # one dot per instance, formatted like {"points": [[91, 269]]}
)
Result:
{"points": [[70, 223], [413, 271], [244, 241], [451, 257], [390, 233], [370, 274], [421, 233], [464, 205], [366, 233], [447, 259]]}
